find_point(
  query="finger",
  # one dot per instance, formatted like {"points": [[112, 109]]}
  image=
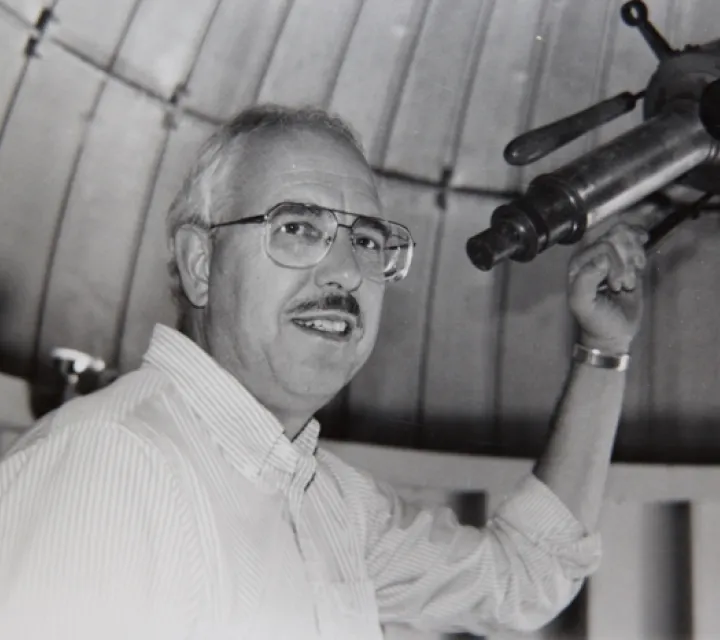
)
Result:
{"points": [[630, 281], [631, 236], [616, 263], [588, 277], [637, 238], [627, 255], [627, 240], [623, 279], [641, 260], [585, 257], [624, 245]]}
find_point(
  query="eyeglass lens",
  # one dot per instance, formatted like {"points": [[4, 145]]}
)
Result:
{"points": [[301, 236]]}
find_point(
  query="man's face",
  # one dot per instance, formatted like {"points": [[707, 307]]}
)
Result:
{"points": [[263, 320]]}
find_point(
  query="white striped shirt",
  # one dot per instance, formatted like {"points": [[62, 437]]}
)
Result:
{"points": [[171, 505]]}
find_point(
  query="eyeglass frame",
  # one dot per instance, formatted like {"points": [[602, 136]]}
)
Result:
{"points": [[263, 218]]}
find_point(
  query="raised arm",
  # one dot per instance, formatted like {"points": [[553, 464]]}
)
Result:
{"points": [[530, 560], [576, 461]]}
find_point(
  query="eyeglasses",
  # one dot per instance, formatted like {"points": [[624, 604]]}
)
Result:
{"points": [[300, 235]]}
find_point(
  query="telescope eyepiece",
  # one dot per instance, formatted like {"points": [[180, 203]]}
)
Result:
{"points": [[494, 245]]}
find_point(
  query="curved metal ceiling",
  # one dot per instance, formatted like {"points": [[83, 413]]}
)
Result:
{"points": [[102, 105]]}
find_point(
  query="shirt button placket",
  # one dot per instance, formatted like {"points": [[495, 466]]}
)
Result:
{"points": [[296, 494]]}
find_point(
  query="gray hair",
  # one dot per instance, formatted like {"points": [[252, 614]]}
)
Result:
{"points": [[204, 193]]}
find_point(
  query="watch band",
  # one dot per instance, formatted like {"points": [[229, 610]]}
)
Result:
{"points": [[596, 358]]}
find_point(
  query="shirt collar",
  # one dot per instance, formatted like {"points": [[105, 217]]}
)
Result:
{"points": [[251, 436]]}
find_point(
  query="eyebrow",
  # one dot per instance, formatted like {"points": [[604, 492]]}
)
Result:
{"points": [[376, 223], [374, 219]]}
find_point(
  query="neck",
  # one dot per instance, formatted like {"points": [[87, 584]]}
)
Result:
{"points": [[293, 424], [191, 325]]}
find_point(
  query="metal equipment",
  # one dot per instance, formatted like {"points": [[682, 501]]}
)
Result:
{"points": [[679, 141]]}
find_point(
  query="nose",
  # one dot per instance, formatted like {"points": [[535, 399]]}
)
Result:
{"points": [[339, 267]]}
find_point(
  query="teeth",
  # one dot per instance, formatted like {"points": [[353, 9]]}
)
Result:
{"points": [[329, 326]]}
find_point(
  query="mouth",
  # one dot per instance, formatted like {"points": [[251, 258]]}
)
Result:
{"points": [[337, 327]]}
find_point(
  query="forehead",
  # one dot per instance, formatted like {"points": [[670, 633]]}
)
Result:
{"points": [[305, 166]]}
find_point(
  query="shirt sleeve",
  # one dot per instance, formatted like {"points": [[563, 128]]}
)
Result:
{"points": [[94, 540], [518, 572]]}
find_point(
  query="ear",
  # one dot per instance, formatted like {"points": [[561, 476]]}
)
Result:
{"points": [[193, 250]]}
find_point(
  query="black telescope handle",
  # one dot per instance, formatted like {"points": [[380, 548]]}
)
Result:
{"points": [[536, 144]]}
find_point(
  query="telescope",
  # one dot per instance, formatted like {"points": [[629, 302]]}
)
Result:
{"points": [[677, 142]]}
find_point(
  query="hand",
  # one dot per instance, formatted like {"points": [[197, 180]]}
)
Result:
{"points": [[609, 321]]}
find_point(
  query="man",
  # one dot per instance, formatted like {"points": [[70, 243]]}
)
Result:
{"points": [[190, 500]]}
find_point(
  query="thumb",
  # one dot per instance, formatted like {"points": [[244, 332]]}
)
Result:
{"points": [[588, 278]]}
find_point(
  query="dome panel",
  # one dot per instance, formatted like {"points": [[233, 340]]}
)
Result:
{"points": [[462, 347], [309, 52], [373, 69], [93, 152], [424, 129], [234, 57], [38, 153], [97, 240], [390, 384], [26, 10], [498, 103], [149, 298], [13, 37], [93, 29], [162, 43]]}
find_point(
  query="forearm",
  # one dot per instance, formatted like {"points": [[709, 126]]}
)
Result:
{"points": [[576, 460], [517, 572]]}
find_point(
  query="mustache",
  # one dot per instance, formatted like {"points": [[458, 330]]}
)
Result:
{"points": [[346, 303]]}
